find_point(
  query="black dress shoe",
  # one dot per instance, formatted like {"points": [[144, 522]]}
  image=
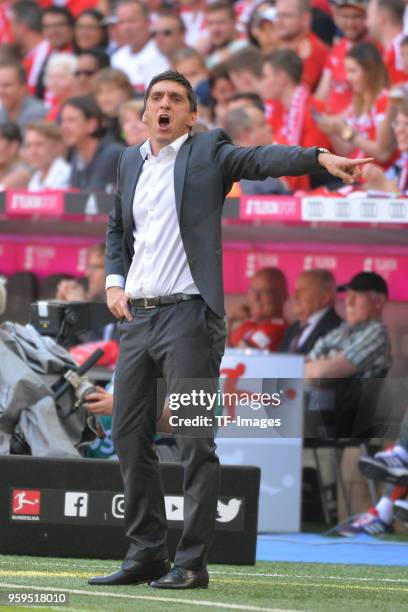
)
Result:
{"points": [[134, 572], [181, 578]]}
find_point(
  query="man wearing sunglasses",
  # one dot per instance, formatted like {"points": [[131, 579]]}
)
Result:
{"points": [[168, 33]]}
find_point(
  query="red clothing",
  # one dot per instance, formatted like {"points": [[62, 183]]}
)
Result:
{"points": [[366, 124], [313, 52], [53, 113], [340, 93], [393, 62], [323, 5], [74, 6], [265, 336], [6, 36], [34, 62], [297, 126]]}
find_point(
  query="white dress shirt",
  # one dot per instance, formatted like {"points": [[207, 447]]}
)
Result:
{"points": [[312, 321], [57, 177], [159, 266]]}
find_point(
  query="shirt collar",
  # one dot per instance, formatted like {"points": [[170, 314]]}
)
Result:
{"points": [[146, 150], [316, 316]]}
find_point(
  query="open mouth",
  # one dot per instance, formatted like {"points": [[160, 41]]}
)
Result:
{"points": [[164, 120]]}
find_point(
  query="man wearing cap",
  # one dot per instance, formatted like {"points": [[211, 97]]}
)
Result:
{"points": [[361, 347], [350, 17]]}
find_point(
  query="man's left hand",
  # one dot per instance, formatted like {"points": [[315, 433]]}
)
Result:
{"points": [[348, 170]]}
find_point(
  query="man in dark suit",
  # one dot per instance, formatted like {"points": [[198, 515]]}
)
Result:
{"points": [[313, 305], [164, 281]]}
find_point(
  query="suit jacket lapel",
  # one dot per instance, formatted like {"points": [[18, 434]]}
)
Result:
{"points": [[180, 168], [130, 188]]}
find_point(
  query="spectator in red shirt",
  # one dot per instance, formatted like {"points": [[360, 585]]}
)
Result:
{"points": [[223, 38], [57, 25], [363, 128], [263, 326], [293, 26], [58, 28], [75, 7], [245, 69], [395, 180], [27, 33], [334, 90], [6, 35], [293, 110], [385, 22], [59, 78]]}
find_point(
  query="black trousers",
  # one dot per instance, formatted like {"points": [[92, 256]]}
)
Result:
{"points": [[176, 342]]}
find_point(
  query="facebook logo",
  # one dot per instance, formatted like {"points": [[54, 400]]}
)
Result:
{"points": [[76, 504]]}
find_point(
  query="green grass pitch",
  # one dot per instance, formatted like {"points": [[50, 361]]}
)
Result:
{"points": [[267, 586]]}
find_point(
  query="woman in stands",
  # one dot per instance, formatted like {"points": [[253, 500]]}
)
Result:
{"points": [[90, 31], [395, 180], [364, 128], [111, 88]]}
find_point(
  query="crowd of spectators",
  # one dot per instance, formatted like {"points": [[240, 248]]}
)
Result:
{"points": [[327, 73]]}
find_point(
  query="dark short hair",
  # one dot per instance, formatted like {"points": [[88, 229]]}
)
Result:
{"points": [[252, 98], [141, 6], [90, 110], [288, 61], [176, 77], [29, 13], [396, 9], [99, 55], [221, 5], [10, 131], [175, 16], [100, 18], [62, 11], [249, 59]]}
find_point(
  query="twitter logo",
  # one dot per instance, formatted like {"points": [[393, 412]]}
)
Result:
{"points": [[228, 511]]}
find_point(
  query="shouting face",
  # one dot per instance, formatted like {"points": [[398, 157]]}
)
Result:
{"points": [[168, 114]]}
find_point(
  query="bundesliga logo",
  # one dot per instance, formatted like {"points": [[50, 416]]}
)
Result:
{"points": [[26, 502]]}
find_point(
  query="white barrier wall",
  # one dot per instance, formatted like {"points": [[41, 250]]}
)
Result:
{"points": [[276, 450]]}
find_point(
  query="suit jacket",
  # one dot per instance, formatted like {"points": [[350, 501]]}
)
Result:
{"points": [[329, 321], [206, 166]]}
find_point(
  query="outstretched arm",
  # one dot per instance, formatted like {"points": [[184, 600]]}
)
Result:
{"points": [[257, 163], [348, 170]]}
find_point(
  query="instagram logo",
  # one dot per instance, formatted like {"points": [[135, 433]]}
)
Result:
{"points": [[118, 506]]}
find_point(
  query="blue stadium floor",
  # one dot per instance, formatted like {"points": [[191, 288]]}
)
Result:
{"points": [[313, 548]]}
